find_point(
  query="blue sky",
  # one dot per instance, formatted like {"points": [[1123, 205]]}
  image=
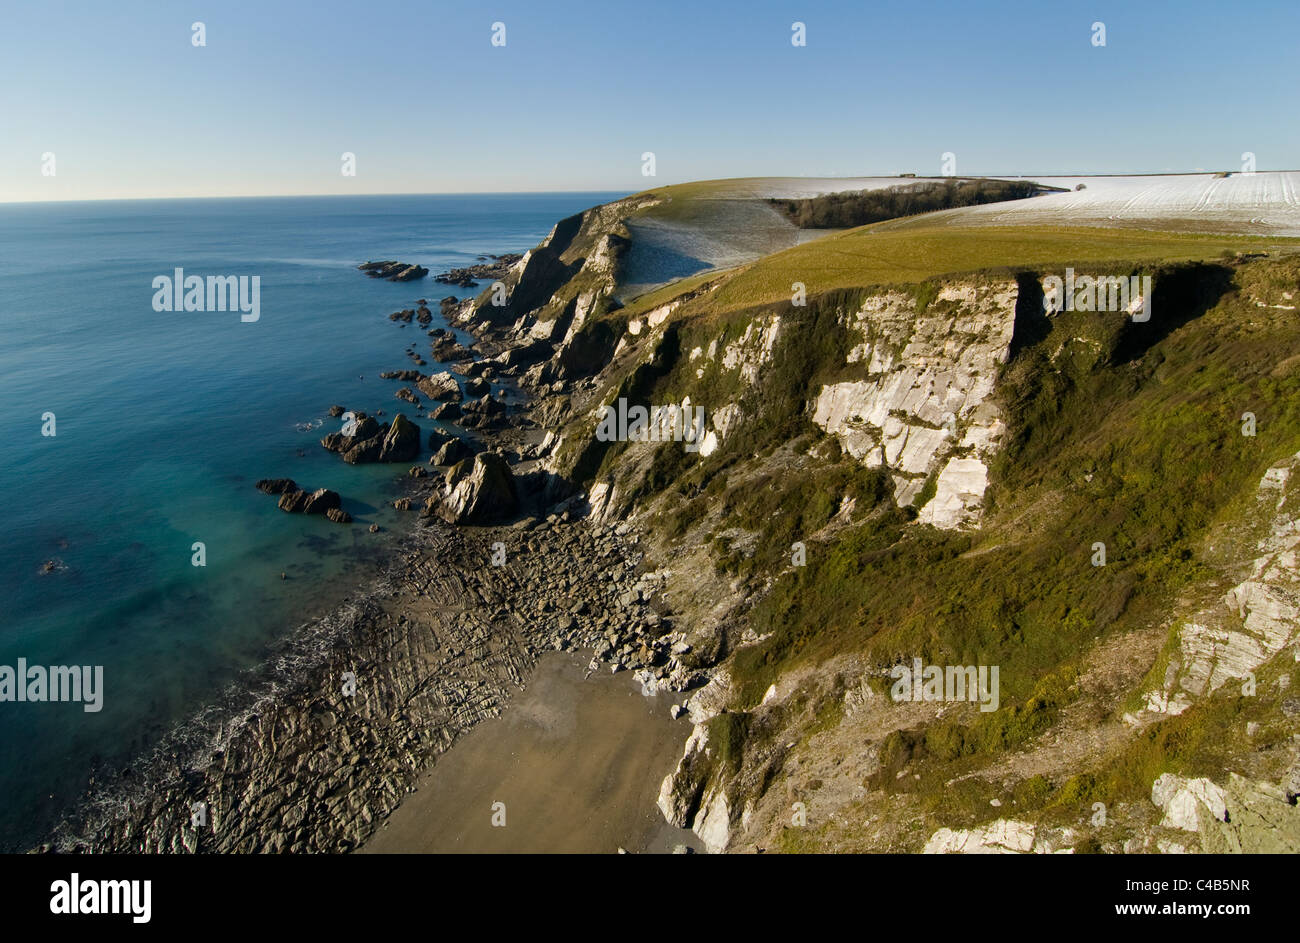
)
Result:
{"points": [[130, 108]]}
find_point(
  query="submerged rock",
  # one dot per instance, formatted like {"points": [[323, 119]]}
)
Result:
{"points": [[276, 485]]}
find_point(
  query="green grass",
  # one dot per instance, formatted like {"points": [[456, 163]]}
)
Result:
{"points": [[873, 256]]}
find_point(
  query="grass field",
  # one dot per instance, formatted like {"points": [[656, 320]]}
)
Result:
{"points": [[873, 256]]}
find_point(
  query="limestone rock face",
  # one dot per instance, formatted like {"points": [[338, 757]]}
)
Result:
{"points": [[679, 794], [1254, 620], [1183, 799], [924, 393], [487, 494], [958, 495], [1003, 837]]}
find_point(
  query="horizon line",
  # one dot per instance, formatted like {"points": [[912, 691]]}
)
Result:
{"points": [[903, 176]]}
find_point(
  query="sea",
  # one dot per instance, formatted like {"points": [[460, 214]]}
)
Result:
{"points": [[131, 440]]}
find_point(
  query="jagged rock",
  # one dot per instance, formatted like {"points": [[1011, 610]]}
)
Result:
{"points": [[276, 485], [293, 501], [362, 427], [447, 412], [321, 501], [401, 442], [441, 386], [1003, 837], [402, 504], [337, 411], [477, 386], [317, 502], [417, 471], [447, 348], [338, 516], [408, 395], [485, 494], [406, 376], [485, 406], [453, 452], [1181, 800], [394, 271]]}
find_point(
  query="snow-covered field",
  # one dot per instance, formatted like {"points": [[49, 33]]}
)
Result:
{"points": [[1265, 203]]}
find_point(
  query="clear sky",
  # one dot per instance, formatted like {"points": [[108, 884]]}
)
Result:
{"points": [[129, 107]]}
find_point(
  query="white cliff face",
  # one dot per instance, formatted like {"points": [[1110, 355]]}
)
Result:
{"points": [[1003, 837], [923, 403], [1184, 799], [1255, 619]]}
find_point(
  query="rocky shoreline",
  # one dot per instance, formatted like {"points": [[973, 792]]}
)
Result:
{"points": [[312, 752]]}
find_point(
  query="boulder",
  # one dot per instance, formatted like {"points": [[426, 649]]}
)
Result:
{"points": [[339, 516], [477, 386], [447, 412]]}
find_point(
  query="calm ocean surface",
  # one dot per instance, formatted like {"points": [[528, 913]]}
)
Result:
{"points": [[164, 422]]}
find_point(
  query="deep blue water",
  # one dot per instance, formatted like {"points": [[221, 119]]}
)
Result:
{"points": [[165, 420]]}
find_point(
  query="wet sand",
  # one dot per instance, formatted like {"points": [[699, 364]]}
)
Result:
{"points": [[576, 761]]}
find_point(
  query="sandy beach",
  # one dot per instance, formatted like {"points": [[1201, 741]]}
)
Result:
{"points": [[576, 760]]}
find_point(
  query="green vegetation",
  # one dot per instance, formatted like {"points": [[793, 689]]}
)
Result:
{"points": [[1136, 445], [858, 208]]}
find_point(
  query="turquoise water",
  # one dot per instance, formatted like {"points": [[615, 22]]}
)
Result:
{"points": [[165, 420]]}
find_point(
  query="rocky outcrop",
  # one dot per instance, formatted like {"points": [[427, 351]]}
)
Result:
{"points": [[498, 267], [441, 386], [1003, 837], [394, 271], [320, 501], [923, 404], [480, 491], [276, 485], [1256, 618], [453, 452], [363, 440]]}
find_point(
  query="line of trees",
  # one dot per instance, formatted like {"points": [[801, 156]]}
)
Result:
{"points": [[845, 210]]}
